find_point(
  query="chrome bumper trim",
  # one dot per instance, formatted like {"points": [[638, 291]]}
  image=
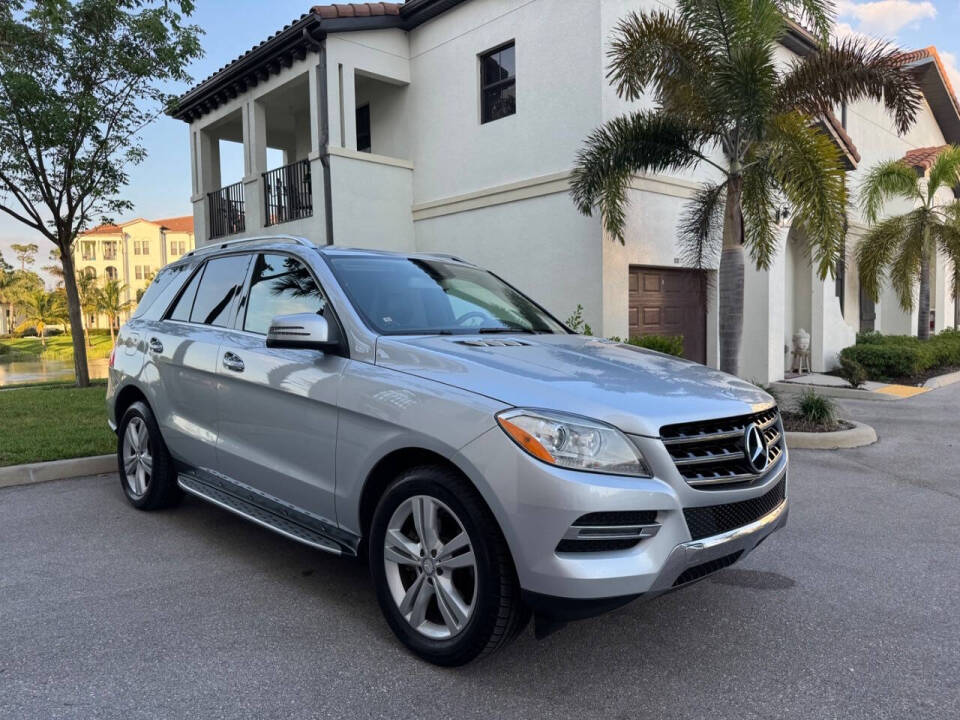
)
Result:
{"points": [[696, 552]]}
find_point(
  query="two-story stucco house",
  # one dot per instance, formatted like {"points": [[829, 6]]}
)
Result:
{"points": [[132, 252], [452, 126]]}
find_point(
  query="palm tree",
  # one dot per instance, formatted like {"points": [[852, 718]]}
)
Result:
{"points": [[905, 244], [111, 303], [41, 308], [88, 291], [723, 99]]}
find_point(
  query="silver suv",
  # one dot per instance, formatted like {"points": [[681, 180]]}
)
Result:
{"points": [[418, 411]]}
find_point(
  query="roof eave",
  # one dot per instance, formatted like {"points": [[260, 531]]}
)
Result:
{"points": [[942, 101]]}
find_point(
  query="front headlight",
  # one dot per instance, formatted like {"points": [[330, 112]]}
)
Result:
{"points": [[573, 442]]}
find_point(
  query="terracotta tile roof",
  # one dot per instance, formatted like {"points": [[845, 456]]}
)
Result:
{"points": [[931, 53], [923, 158], [845, 140], [365, 9], [107, 229], [184, 223]]}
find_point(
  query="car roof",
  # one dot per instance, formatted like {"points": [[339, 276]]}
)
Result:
{"points": [[281, 241]]}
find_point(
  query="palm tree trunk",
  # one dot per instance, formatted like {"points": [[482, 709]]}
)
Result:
{"points": [[75, 313], [731, 280], [111, 320], [923, 311]]}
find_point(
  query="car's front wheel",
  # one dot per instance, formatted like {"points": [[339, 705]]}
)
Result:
{"points": [[443, 573], [147, 473]]}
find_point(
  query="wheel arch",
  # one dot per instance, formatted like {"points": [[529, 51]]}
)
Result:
{"points": [[127, 396]]}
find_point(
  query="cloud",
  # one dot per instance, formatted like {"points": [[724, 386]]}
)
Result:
{"points": [[952, 68], [885, 17]]}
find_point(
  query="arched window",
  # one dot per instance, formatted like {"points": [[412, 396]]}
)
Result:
{"points": [[90, 272], [111, 272]]}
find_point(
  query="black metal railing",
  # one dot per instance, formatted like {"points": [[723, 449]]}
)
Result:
{"points": [[226, 211], [287, 193]]}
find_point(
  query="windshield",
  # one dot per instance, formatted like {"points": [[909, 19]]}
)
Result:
{"points": [[411, 296]]}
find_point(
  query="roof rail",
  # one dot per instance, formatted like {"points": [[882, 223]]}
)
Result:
{"points": [[259, 238]]}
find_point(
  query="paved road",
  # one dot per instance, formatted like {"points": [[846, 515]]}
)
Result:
{"points": [[851, 612]]}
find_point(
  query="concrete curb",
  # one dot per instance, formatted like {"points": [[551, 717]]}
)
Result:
{"points": [[857, 436], [836, 392], [56, 470], [942, 380]]}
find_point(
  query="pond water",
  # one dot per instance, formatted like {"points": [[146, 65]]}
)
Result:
{"points": [[34, 371]]}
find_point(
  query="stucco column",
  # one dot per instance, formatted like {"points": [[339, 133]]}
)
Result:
{"points": [[254, 118], [764, 297], [323, 107]]}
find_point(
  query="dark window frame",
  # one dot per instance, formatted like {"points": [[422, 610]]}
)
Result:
{"points": [[497, 84], [198, 273]]}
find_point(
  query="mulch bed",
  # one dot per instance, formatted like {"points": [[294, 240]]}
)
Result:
{"points": [[794, 422]]}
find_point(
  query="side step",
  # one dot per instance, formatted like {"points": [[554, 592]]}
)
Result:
{"points": [[259, 515]]}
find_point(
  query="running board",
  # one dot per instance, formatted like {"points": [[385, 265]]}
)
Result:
{"points": [[259, 515]]}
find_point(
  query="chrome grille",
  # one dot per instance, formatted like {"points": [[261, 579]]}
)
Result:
{"points": [[710, 454]]}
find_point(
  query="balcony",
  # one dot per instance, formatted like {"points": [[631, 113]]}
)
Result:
{"points": [[287, 193], [226, 211]]}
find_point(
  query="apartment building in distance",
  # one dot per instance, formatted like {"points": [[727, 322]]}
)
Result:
{"points": [[132, 252]]}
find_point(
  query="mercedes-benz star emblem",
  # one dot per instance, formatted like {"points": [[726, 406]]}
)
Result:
{"points": [[755, 448]]}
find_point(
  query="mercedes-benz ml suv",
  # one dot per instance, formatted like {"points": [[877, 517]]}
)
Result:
{"points": [[418, 411]]}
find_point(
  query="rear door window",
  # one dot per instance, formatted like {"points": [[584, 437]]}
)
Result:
{"points": [[181, 310], [221, 284], [162, 290], [281, 285]]}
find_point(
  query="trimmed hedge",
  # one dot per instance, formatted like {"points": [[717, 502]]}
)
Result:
{"points": [[894, 356], [669, 344]]}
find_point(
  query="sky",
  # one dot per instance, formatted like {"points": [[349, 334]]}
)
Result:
{"points": [[160, 186]]}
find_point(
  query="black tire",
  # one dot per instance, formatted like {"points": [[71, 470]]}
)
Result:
{"points": [[498, 615], [161, 490]]}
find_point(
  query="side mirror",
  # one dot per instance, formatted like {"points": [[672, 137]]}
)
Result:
{"points": [[304, 331]]}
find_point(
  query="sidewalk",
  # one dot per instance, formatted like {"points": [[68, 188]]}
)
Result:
{"points": [[838, 387]]}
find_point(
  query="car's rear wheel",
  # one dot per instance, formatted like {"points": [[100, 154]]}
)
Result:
{"points": [[443, 573], [147, 473]]}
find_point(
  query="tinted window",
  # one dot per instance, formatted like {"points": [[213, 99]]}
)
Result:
{"points": [[221, 284], [498, 83], [419, 296], [161, 291], [281, 285], [185, 304]]}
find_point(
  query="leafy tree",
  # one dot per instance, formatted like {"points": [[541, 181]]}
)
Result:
{"points": [[55, 267], [5, 267], [41, 308], [906, 244], [110, 302], [79, 79], [13, 286], [26, 253], [724, 100]]}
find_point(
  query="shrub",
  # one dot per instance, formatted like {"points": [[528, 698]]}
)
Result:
{"points": [[669, 344], [892, 356], [869, 337], [576, 323], [852, 371], [816, 408]]}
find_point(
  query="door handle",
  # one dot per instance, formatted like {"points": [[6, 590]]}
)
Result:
{"points": [[155, 345], [232, 361]]}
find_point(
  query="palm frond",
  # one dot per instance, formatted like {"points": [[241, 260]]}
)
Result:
{"points": [[905, 268], [852, 69], [945, 171], [886, 180], [809, 170], [655, 48], [759, 208], [817, 15], [646, 141], [699, 233], [876, 250], [946, 235]]}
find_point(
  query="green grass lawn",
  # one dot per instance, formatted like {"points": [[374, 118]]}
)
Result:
{"points": [[59, 347], [51, 423]]}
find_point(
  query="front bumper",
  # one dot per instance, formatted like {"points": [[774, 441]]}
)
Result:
{"points": [[536, 504]]}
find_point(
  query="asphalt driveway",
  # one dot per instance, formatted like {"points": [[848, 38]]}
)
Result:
{"points": [[851, 612]]}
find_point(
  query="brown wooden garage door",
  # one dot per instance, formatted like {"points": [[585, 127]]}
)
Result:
{"points": [[666, 301]]}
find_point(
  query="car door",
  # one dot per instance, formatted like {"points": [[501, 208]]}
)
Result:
{"points": [[183, 348], [278, 407]]}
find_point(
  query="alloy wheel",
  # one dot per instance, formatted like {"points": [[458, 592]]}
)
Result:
{"points": [[137, 458], [431, 567]]}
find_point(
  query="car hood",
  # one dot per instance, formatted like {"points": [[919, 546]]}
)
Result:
{"points": [[634, 389]]}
